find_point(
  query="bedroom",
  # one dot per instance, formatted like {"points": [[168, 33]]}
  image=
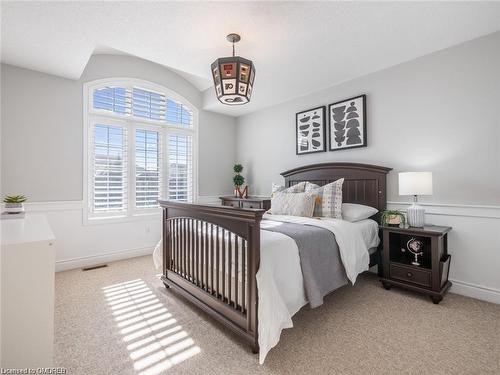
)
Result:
{"points": [[115, 131]]}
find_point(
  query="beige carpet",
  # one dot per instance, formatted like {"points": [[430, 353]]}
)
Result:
{"points": [[121, 320]]}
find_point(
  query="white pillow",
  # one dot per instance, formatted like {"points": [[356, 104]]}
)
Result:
{"points": [[293, 204], [355, 212], [297, 188], [329, 203]]}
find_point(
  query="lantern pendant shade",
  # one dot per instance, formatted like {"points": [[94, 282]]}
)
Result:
{"points": [[233, 77]]}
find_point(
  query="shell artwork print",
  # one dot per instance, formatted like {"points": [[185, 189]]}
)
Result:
{"points": [[311, 130], [348, 123]]}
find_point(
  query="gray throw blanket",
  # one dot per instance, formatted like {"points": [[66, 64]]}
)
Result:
{"points": [[320, 260]]}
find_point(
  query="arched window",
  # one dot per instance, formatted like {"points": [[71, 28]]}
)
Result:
{"points": [[140, 147]]}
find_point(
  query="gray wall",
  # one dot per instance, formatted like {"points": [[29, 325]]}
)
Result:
{"points": [[438, 113], [42, 129]]}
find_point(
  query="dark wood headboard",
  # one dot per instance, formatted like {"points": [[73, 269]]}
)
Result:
{"points": [[363, 183]]}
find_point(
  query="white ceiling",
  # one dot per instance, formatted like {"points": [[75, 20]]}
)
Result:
{"points": [[297, 47]]}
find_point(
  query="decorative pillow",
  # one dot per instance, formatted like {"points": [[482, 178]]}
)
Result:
{"points": [[297, 188], [355, 212], [296, 204], [329, 203]]}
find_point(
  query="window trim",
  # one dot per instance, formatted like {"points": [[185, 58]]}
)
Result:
{"points": [[161, 133], [131, 124]]}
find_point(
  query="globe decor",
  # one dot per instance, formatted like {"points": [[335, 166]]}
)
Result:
{"points": [[233, 77]]}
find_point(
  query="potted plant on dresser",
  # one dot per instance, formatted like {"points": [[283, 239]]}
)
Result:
{"points": [[241, 199], [14, 204], [238, 181]]}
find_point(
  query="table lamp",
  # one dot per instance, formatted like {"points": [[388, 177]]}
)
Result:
{"points": [[415, 183]]}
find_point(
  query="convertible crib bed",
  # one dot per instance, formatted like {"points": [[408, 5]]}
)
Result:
{"points": [[211, 254]]}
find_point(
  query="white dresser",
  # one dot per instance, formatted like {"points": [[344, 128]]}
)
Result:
{"points": [[27, 292]]}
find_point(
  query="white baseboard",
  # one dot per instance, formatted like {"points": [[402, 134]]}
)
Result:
{"points": [[92, 260], [475, 291]]}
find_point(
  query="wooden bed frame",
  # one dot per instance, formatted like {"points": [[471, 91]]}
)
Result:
{"points": [[211, 254]]}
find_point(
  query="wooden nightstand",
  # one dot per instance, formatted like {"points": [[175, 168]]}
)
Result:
{"points": [[431, 276], [250, 202]]}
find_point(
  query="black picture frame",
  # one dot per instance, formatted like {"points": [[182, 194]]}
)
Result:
{"points": [[310, 148], [341, 136]]}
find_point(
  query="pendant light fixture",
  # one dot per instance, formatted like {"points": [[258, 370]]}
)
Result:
{"points": [[233, 77]]}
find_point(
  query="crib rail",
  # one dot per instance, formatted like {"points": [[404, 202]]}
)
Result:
{"points": [[211, 256]]}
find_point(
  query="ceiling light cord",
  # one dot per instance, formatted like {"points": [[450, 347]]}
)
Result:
{"points": [[233, 38]]}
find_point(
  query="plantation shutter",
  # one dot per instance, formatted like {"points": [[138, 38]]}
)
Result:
{"points": [[178, 114], [180, 167], [147, 168], [109, 168], [143, 104], [114, 99], [140, 146]]}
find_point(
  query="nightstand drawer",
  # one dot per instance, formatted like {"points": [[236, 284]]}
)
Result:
{"points": [[231, 203], [412, 275], [251, 204], [259, 203]]}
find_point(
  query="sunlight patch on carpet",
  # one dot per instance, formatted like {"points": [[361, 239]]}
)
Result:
{"points": [[155, 340]]}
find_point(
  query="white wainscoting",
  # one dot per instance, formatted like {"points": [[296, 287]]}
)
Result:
{"points": [[474, 241], [79, 245], [474, 244]]}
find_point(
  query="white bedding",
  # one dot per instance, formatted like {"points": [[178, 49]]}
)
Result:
{"points": [[369, 231], [279, 279]]}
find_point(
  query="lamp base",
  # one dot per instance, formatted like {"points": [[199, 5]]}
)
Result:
{"points": [[415, 215]]}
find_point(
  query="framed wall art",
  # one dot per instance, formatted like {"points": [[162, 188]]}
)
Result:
{"points": [[347, 123], [310, 131]]}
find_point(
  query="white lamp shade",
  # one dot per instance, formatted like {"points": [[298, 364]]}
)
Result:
{"points": [[415, 183]]}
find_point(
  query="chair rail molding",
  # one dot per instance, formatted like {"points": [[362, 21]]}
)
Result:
{"points": [[53, 206], [453, 209]]}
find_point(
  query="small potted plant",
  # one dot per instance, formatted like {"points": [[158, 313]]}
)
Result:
{"points": [[238, 181], [393, 218], [14, 204]]}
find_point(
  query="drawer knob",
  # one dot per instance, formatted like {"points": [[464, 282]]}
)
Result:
{"points": [[409, 274]]}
